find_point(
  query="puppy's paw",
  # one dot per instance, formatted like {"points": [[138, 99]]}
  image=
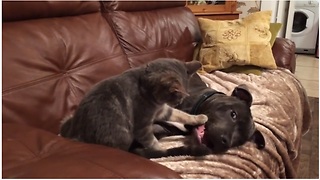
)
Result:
{"points": [[201, 150], [150, 153], [200, 119]]}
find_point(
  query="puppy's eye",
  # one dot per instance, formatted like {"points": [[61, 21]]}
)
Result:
{"points": [[233, 115]]}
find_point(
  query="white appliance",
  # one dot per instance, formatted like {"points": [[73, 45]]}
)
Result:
{"points": [[282, 12], [305, 26]]}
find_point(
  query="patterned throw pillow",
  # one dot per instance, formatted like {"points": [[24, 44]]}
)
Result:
{"points": [[236, 42]]}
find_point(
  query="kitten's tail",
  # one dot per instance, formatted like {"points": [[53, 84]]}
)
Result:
{"points": [[65, 127]]}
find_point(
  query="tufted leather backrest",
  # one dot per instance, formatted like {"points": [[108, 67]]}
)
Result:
{"points": [[24, 10], [54, 52], [150, 34], [131, 6]]}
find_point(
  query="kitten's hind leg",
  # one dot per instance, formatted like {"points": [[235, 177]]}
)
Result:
{"points": [[66, 127], [146, 138], [116, 137]]}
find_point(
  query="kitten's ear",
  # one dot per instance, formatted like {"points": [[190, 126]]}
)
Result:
{"points": [[243, 93], [193, 66], [174, 85], [178, 89]]}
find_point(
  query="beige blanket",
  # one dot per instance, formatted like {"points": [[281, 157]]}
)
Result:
{"points": [[281, 111]]}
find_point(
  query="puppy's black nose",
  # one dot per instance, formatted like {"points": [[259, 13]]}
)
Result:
{"points": [[225, 140]]}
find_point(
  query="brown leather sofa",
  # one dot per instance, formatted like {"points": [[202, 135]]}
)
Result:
{"points": [[53, 52]]}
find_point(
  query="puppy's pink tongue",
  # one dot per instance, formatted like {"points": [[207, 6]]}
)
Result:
{"points": [[200, 132]]}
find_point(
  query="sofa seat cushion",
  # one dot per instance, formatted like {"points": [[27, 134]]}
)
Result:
{"points": [[34, 153]]}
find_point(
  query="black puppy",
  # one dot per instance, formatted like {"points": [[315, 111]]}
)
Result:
{"points": [[229, 124]]}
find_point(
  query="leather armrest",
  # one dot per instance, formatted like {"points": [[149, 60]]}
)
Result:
{"points": [[28, 152], [284, 53]]}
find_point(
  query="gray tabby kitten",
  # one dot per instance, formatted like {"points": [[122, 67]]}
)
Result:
{"points": [[119, 111]]}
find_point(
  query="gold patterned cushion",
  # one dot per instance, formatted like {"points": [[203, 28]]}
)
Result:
{"points": [[236, 42]]}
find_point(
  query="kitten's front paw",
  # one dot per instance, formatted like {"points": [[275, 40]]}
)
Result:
{"points": [[200, 119]]}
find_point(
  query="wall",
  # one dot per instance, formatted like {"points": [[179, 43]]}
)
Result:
{"points": [[247, 7], [282, 12]]}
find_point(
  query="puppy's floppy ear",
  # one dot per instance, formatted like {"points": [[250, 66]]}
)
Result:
{"points": [[243, 93], [258, 138], [193, 66]]}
